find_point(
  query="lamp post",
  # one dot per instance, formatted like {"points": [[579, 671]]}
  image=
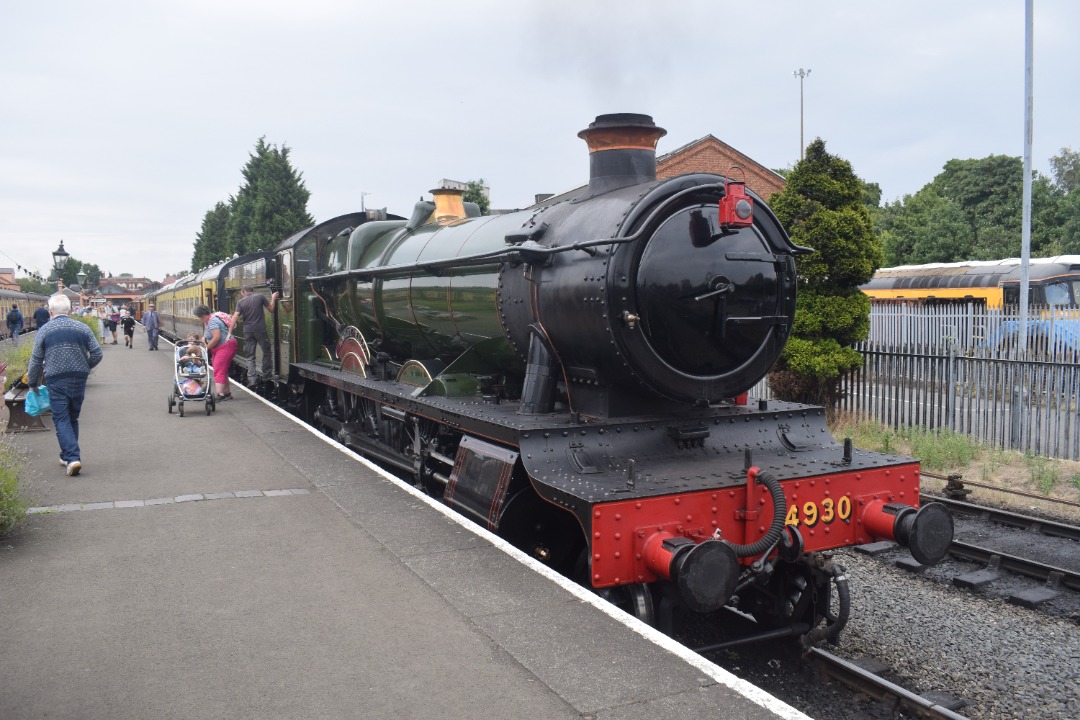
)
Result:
{"points": [[802, 75], [60, 258], [82, 287]]}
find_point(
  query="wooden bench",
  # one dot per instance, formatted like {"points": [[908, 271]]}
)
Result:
{"points": [[18, 420]]}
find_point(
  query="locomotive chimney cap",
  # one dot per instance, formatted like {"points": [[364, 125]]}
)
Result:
{"points": [[622, 131]]}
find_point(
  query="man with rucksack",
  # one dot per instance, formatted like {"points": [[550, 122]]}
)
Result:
{"points": [[14, 323]]}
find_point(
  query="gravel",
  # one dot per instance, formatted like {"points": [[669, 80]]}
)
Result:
{"points": [[1005, 661]]}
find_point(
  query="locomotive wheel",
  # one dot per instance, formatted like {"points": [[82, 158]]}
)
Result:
{"points": [[636, 599]]}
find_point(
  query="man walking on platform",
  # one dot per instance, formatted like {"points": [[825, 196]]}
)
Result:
{"points": [[41, 316], [250, 308], [64, 352], [14, 322], [151, 323]]}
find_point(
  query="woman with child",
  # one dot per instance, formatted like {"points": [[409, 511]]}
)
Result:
{"points": [[220, 344]]}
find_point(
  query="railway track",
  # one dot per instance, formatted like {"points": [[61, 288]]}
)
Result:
{"points": [[882, 690]]}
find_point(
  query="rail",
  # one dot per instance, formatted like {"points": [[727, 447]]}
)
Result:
{"points": [[878, 687]]}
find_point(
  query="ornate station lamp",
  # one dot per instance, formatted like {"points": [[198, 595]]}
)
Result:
{"points": [[60, 258]]}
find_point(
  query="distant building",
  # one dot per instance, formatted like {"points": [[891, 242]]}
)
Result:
{"points": [[463, 186], [7, 279]]}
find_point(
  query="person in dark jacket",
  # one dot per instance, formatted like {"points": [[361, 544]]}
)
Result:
{"points": [[14, 322], [41, 316], [128, 323], [64, 352]]}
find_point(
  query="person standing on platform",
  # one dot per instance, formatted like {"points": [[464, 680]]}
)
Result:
{"points": [[64, 352], [221, 345], [151, 324], [251, 307], [112, 321], [41, 316], [128, 323], [14, 323]]}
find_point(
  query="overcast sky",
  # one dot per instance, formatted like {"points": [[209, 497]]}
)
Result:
{"points": [[124, 122]]}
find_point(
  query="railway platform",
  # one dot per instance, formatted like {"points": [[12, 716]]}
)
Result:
{"points": [[240, 565]]}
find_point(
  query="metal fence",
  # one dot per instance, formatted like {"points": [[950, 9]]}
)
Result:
{"points": [[964, 368]]}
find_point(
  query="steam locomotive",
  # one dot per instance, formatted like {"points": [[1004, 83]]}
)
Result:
{"points": [[573, 377]]}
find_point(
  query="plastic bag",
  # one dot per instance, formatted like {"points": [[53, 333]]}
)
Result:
{"points": [[37, 401]]}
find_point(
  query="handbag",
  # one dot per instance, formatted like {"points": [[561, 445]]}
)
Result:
{"points": [[37, 401]]}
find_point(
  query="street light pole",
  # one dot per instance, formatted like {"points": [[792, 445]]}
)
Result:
{"points": [[802, 75], [60, 258]]}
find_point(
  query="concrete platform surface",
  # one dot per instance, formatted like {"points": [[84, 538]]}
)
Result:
{"points": [[242, 566]]}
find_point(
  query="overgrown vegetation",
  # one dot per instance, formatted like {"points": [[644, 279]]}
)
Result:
{"points": [[17, 358], [945, 452], [12, 506]]}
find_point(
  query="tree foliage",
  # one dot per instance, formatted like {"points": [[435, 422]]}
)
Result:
{"points": [[825, 206], [1065, 167], [973, 210], [71, 271], [212, 239], [33, 285], [475, 193], [269, 206]]}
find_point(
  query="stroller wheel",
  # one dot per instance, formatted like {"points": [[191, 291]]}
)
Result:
{"points": [[209, 409], [180, 408], [171, 403]]}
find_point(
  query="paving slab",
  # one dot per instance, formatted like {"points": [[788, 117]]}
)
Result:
{"points": [[240, 566]]}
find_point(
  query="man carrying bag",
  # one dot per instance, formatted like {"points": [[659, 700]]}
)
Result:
{"points": [[64, 351]]}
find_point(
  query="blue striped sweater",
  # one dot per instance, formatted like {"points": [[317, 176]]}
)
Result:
{"points": [[63, 348]]}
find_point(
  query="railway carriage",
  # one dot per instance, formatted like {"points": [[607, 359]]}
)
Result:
{"points": [[1053, 282], [26, 302]]}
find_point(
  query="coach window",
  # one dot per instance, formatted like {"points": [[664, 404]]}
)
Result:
{"points": [[1057, 294], [285, 263]]}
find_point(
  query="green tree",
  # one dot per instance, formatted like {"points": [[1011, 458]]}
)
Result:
{"points": [[71, 271], [270, 205], [32, 285], [475, 193], [823, 207], [1065, 167], [212, 239]]}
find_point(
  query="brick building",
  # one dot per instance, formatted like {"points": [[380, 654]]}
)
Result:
{"points": [[704, 155], [711, 155]]}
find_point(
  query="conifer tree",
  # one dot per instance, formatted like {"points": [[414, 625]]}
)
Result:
{"points": [[271, 204], [212, 239], [822, 207]]}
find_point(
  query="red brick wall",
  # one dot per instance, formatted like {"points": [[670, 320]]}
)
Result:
{"points": [[712, 156]]}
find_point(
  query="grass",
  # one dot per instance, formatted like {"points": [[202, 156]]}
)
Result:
{"points": [[12, 506], [17, 358], [945, 452]]}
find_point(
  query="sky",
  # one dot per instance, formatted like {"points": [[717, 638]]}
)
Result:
{"points": [[123, 122]]}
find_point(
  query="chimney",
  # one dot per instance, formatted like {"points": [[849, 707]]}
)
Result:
{"points": [[622, 150], [449, 205]]}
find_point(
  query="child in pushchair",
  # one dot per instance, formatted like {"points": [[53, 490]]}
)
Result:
{"points": [[194, 378]]}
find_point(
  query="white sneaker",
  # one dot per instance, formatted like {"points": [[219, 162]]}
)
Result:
{"points": [[73, 468], [63, 462]]}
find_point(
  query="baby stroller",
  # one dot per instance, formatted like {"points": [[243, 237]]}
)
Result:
{"points": [[193, 379]]}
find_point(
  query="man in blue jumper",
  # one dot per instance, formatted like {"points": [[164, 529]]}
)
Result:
{"points": [[64, 352]]}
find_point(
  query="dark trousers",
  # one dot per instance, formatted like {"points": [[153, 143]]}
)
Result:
{"points": [[66, 399], [151, 338], [253, 340]]}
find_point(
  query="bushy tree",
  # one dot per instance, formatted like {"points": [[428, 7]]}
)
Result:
{"points": [[973, 210], [212, 238], [271, 204], [474, 193], [823, 207]]}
